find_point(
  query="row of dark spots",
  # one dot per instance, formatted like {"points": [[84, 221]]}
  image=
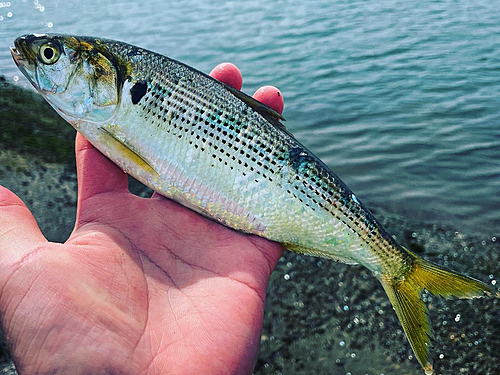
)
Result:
{"points": [[227, 136], [335, 198], [335, 202], [140, 89]]}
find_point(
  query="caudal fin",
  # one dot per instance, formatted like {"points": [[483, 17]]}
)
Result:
{"points": [[405, 295]]}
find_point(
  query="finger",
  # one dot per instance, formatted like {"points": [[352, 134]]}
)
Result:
{"points": [[270, 96], [96, 173], [229, 74], [19, 232]]}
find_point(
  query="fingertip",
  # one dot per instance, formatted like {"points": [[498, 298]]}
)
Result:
{"points": [[229, 74], [270, 96]]}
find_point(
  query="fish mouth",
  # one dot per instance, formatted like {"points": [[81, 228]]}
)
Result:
{"points": [[20, 60], [21, 51], [24, 59], [16, 55]]}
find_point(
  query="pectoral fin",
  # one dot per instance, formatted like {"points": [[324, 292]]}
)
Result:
{"points": [[126, 151]]}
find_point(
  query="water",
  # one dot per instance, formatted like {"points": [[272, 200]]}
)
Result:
{"points": [[400, 98]]}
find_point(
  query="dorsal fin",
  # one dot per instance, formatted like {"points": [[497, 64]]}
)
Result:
{"points": [[267, 112]]}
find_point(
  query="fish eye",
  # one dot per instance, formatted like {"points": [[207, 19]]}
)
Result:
{"points": [[49, 53]]}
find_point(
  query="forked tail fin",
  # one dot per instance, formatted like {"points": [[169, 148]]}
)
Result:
{"points": [[405, 293]]}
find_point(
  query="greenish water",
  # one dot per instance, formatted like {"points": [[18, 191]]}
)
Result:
{"points": [[400, 98]]}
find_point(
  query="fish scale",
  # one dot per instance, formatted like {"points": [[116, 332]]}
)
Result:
{"points": [[227, 156], [219, 127]]}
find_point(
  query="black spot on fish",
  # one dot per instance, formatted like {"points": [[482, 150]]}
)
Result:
{"points": [[138, 91], [298, 158]]}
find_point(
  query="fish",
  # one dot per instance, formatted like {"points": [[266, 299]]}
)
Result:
{"points": [[227, 157]]}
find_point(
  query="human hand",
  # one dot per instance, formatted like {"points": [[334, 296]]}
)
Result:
{"points": [[141, 285]]}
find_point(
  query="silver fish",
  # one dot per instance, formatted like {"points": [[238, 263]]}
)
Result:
{"points": [[226, 156]]}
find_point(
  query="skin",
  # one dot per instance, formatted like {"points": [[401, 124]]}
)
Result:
{"points": [[141, 285]]}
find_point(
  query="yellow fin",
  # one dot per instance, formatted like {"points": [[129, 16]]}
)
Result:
{"points": [[126, 151], [404, 295]]}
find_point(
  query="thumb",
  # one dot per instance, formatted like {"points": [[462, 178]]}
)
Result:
{"points": [[19, 232]]}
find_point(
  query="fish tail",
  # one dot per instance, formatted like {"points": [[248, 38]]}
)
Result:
{"points": [[405, 296]]}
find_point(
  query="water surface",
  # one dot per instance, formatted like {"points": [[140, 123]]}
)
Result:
{"points": [[400, 98]]}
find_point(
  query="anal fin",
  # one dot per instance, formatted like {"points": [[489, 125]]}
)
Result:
{"points": [[323, 254]]}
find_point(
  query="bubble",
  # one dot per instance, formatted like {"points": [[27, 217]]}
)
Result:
{"points": [[346, 308], [287, 276], [457, 318], [353, 355], [342, 343], [9, 14], [289, 264], [414, 235], [38, 6], [493, 239], [441, 356], [493, 282], [16, 78], [50, 24], [491, 276], [1, 18]]}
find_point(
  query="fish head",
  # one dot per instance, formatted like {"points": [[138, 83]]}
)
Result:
{"points": [[78, 78]]}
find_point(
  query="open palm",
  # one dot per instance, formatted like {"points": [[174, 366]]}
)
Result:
{"points": [[142, 286]]}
